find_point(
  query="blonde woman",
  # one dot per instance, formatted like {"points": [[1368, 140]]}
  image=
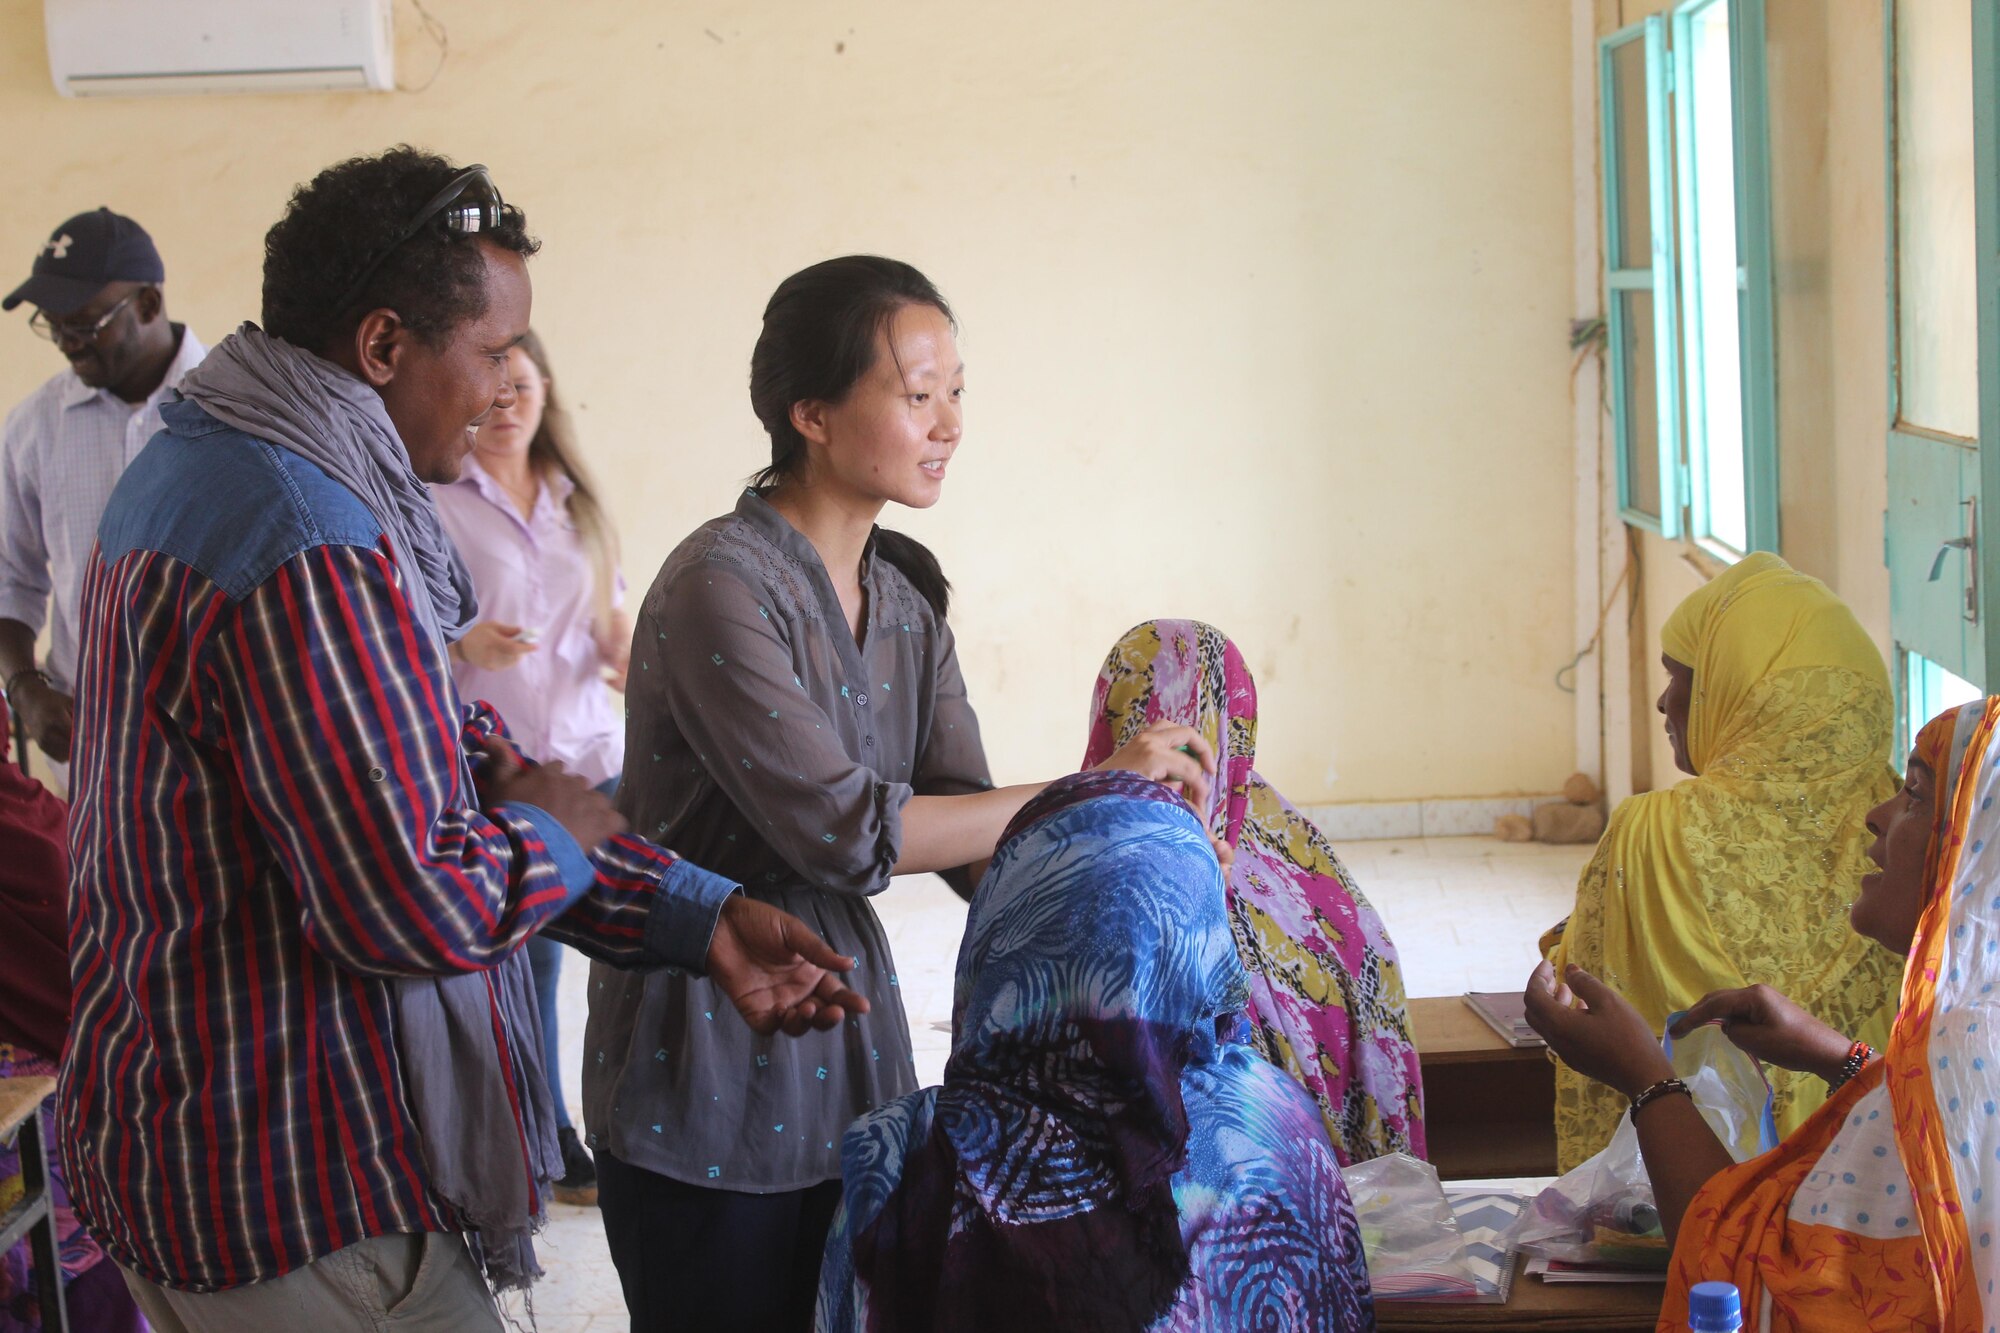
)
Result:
{"points": [[550, 642]]}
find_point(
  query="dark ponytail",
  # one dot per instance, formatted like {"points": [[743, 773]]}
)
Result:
{"points": [[818, 342], [919, 566]]}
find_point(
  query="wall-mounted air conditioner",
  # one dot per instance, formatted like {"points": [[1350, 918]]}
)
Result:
{"points": [[133, 48]]}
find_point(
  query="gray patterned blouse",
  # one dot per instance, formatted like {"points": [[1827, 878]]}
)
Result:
{"points": [[763, 743]]}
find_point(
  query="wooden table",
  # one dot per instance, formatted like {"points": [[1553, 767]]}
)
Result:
{"points": [[33, 1217], [1489, 1109], [1534, 1305]]}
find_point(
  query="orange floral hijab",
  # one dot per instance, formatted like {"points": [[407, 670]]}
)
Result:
{"points": [[1882, 1211]]}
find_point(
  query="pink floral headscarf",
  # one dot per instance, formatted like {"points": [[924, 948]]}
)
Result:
{"points": [[1326, 991]]}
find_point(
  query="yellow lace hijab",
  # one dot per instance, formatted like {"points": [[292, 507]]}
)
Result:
{"points": [[1744, 874]]}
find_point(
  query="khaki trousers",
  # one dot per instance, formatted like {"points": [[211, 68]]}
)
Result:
{"points": [[406, 1283]]}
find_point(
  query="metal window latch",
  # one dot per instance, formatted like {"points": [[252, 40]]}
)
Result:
{"points": [[1969, 544]]}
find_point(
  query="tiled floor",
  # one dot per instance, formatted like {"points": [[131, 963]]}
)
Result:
{"points": [[1464, 913]]}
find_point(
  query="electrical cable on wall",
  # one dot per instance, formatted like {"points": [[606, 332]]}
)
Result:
{"points": [[1568, 686], [1588, 337], [436, 31]]}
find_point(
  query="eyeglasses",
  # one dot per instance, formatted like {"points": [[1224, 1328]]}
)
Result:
{"points": [[70, 330], [469, 203]]}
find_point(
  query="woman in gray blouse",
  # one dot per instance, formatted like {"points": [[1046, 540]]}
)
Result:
{"points": [[796, 721]]}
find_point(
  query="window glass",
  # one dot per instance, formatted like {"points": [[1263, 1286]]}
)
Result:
{"points": [[1635, 194], [1937, 319], [1710, 314], [1642, 404], [1929, 689]]}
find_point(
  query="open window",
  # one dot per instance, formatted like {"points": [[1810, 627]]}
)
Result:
{"points": [[1688, 275]]}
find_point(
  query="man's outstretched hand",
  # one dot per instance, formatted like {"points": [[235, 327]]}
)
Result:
{"points": [[780, 976], [567, 798]]}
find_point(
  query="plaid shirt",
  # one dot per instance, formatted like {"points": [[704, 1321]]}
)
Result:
{"points": [[273, 820]]}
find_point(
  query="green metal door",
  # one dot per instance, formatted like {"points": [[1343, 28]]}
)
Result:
{"points": [[1944, 310]]}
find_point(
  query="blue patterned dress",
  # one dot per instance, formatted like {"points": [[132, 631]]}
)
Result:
{"points": [[1103, 1155]]}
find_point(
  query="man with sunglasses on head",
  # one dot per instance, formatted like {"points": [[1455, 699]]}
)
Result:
{"points": [[304, 1089], [96, 292]]}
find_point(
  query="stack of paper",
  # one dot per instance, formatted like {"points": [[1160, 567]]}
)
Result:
{"points": [[1562, 1270], [1507, 1014]]}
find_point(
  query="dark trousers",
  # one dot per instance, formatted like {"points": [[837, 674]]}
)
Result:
{"points": [[696, 1260]]}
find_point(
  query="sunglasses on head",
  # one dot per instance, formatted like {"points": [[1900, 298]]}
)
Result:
{"points": [[468, 204]]}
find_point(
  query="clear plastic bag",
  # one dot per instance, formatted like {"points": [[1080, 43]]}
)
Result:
{"points": [[1604, 1211], [1408, 1232]]}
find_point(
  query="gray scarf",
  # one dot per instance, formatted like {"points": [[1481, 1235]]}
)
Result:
{"points": [[268, 388], [488, 1162]]}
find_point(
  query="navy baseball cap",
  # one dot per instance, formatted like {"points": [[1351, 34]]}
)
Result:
{"points": [[86, 252]]}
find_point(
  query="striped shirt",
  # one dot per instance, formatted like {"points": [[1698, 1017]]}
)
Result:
{"points": [[274, 819], [62, 450]]}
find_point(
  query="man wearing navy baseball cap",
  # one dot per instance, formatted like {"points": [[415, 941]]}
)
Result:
{"points": [[95, 287]]}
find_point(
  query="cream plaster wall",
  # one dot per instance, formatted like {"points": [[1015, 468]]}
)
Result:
{"points": [[1264, 311]]}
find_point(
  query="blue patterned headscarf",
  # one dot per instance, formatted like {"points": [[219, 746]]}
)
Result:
{"points": [[1097, 1157]]}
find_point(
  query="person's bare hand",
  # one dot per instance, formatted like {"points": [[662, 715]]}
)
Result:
{"points": [[1766, 1024], [572, 802], [502, 759], [780, 975], [493, 646], [48, 716], [1603, 1037], [615, 647], [1181, 757]]}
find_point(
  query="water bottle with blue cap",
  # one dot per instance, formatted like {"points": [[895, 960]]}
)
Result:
{"points": [[1714, 1307]]}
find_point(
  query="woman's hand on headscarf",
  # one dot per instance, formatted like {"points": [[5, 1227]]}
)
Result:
{"points": [[1595, 1030], [777, 972], [1766, 1024], [1167, 752]]}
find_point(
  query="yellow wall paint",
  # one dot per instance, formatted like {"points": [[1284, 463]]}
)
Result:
{"points": [[1264, 310]]}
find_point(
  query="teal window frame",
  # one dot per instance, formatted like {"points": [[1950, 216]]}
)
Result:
{"points": [[1909, 443], [1683, 460], [1924, 686], [1652, 272], [1756, 339], [1986, 214]]}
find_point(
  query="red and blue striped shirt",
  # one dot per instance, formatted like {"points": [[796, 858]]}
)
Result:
{"points": [[273, 819]]}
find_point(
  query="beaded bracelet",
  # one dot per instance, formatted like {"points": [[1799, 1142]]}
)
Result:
{"points": [[7, 690], [1660, 1089], [1858, 1056]]}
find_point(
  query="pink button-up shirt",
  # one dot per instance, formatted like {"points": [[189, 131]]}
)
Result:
{"points": [[535, 573]]}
